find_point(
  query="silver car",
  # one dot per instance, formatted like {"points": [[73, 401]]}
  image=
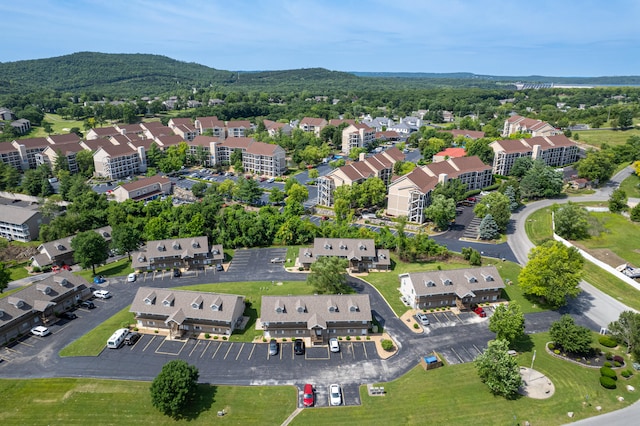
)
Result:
{"points": [[422, 319]]}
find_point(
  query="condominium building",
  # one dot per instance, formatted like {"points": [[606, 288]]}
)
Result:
{"points": [[313, 125], [181, 253], [118, 161], [184, 128], [555, 151], [357, 136], [238, 128], [257, 157], [20, 221], [519, 124], [143, 189], [361, 254], [205, 124]]}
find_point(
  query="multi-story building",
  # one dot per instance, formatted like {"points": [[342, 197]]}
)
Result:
{"points": [[311, 124], [185, 313], [40, 304], [274, 128], [361, 253], [20, 221], [555, 151], [519, 124], [184, 128], [205, 147], [28, 148], [257, 157], [410, 194], [118, 161], [68, 150], [10, 155], [379, 165], [461, 288], [317, 317], [143, 189], [238, 128], [101, 133], [357, 136], [217, 127], [178, 253], [59, 252]]}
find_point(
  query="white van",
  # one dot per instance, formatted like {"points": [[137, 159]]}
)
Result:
{"points": [[131, 277], [116, 339]]}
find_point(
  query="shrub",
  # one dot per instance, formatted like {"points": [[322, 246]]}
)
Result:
{"points": [[607, 382], [551, 346], [416, 326], [348, 338], [608, 372], [224, 337], [556, 351], [608, 355], [215, 337], [156, 331], [607, 341], [264, 340], [135, 328], [36, 269], [618, 358], [357, 337], [368, 338], [607, 364], [626, 374], [284, 340], [207, 335], [387, 345], [616, 364]]}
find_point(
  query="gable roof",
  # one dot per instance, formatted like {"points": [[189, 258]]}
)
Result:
{"points": [[462, 282], [316, 310]]}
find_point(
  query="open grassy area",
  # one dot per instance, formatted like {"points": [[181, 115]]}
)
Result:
{"points": [[620, 235], [18, 272], [58, 124], [611, 137], [454, 395], [509, 271], [110, 402], [538, 226], [92, 343], [253, 292], [121, 267], [630, 186]]}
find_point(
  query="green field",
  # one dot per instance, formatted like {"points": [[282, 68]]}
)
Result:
{"points": [[118, 268], [619, 234], [611, 137], [538, 226], [59, 126], [630, 186], [449, 395], [92, 343], [117, 402]]}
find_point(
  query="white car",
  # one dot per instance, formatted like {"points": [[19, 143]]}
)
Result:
{"points": [[131, 277], [334, 346], [335, 395], [40, 331], [102, 294], [423, 319]]}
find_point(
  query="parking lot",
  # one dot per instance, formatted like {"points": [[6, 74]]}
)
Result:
{"points": [[350, 394], [452, 319]]}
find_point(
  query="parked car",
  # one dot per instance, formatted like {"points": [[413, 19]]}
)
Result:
{"points": [[271, 180], [68, 315], [308, 397], [480, 312], [176, 273], [131, 277], [99, 279], [87, 304], [40, 331], [132, 338], [298, 347], [422, 319], [102, 294], [334, 346], [277, 260], [273, 347], [335, 395], [219, 267]]}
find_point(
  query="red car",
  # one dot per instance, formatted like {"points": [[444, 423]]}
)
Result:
{"points": [[481, 313], [308, 397]]}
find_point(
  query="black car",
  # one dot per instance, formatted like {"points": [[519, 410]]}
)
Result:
{"points": [[131, 338], [298, 347], [68, 315], [87, 304], [219, 267], [177, 273]]}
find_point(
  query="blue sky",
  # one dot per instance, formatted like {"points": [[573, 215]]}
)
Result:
{"points": [[498, 37]]}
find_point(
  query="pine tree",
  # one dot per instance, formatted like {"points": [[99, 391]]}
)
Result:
{"points": [[489, 228]]}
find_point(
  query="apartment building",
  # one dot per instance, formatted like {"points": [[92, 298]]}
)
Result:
{"points": [[238, 128], [59, 252], [119, 161], [212, 124], [313, 125], [357, 135], [257, 157], [361, 253], [519, 124], [28, 149], [184, 128], [143, 189], [177, 253], [555, 151], [20, 221], [68, 150]]}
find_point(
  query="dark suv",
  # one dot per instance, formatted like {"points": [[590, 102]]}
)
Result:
{"points": [[131, 338], [298, 347]]}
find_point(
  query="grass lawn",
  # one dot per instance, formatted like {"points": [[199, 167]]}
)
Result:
{"points": [[18, 272], [538, 226], [455, 395], [101, 402], [619, 234], [512, 292], [92, 343], [630, 186], [611, 137], [253, 292], [121, 267], [58, 124], [292, 254]]}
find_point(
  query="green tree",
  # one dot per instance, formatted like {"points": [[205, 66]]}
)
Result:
{"points": [[125, 238], [297, 193], [313, 174], [507, 322], [276, 196], [198, 189], [5, 277], [499, 370], [84, 159], [570, 336], [635, 213], [488, 228], [626, 329], [441, 211], [552, 273], [618, 201], [541, 181], [597, 165], [248, 191], [453, 189], [570, 221], [329, 275], [371, 192], [174, 387], [521, 166], [514, 199], [89, 249], [480, 148], [498, 205]]}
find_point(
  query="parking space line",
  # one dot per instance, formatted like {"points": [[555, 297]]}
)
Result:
{"points": [[240, 351], [458, 318], [470, 354], [456, 354], [152, 339], [205, 349], [446, 316], [365, 350], [479, 351], [194, 347], [353, 352], [228, 350], [436, 317], [26, 344], [217, 349], [253, 347]]}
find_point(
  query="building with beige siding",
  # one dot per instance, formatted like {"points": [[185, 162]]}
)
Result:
{"points": [[357, 135], [361, 254], [143, 189], [189, 253], [555, 151]]}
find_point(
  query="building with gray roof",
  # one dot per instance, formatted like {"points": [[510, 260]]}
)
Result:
{"points": [[361, 253], [20, 222]]}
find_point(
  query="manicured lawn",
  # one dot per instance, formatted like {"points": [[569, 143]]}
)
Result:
{"points": [[611, 137], [111, 402], [512, 292], [538, 226], [611, 285], [121, 267], [630, 186], [18, 272], [253, 292], [59, 126], [620, 235], [292, 254], [92, 343], [454, 395]]}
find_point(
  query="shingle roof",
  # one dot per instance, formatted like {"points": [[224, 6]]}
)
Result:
{"points": [[146, 181], [17, 215], [455, 281], [317, 309]]}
